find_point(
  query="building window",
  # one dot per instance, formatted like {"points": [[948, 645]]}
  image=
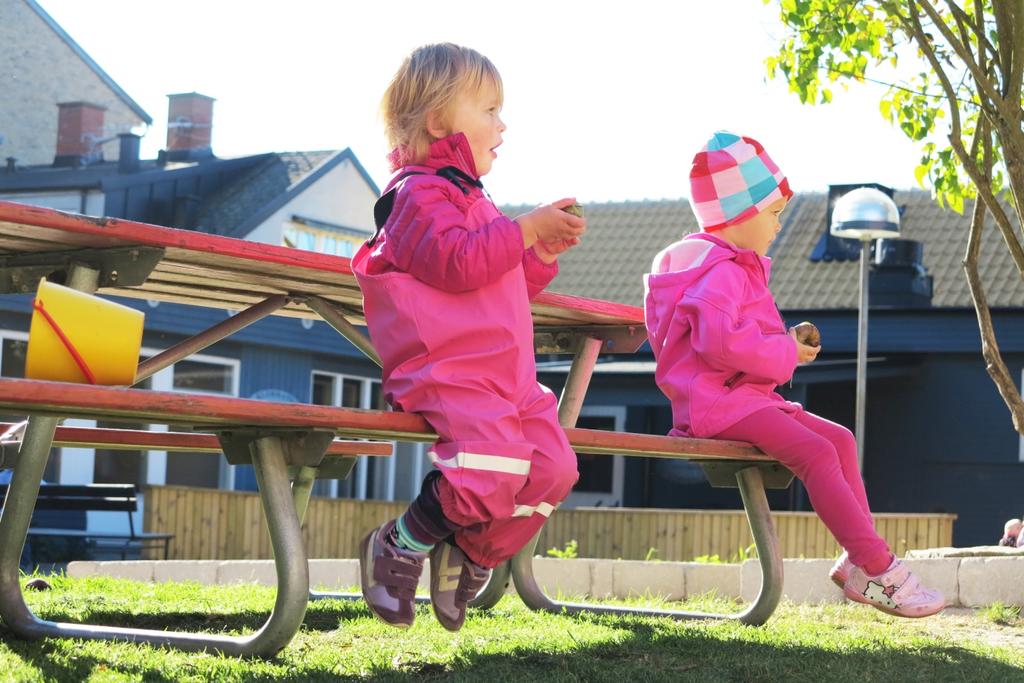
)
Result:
{"points": [[322, 239], [204, 377], [12, 364], [198, 374], [207, 375], [115, 466], [601, 476], [372, 477]]}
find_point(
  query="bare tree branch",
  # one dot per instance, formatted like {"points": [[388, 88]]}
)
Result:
{"points": [[966, 29], [1010, 31], [984, 187], [994, 364], [984, 86]]}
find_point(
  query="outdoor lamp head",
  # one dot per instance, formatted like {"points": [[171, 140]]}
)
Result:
{"points": [[865, 214]]}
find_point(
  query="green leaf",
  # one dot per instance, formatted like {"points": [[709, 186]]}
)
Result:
{"points": [[920, 173]]}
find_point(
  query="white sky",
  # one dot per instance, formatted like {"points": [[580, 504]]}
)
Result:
{"points": [[603, 101]]}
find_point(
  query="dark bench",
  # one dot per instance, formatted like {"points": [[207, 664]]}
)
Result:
{"points": [[96, 497]]}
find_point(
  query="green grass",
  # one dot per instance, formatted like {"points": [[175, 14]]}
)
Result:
{"points": [[1004, 615], [339, 641]]}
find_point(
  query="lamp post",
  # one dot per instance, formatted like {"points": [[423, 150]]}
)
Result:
{"points": [[864, 214]]}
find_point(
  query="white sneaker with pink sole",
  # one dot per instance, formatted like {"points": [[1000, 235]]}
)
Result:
{"points": [[895, 591]]}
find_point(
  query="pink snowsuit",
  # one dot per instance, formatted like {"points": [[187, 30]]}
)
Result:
{"points": [[721, 348], [446, 290]]}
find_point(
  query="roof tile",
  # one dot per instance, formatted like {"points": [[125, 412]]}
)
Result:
{"points": [[623, 237]]}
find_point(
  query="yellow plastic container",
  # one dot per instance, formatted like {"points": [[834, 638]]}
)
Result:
{"points": [[105, 336]]}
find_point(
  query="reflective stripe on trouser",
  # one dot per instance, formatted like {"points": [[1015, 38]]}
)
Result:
{"points": [[505, 468]]}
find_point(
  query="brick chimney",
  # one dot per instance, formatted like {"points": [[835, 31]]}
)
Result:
{"points": [[79, 132], [189, 126]]}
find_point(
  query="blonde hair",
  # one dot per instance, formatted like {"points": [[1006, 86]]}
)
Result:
{"points": [[429, 80]]}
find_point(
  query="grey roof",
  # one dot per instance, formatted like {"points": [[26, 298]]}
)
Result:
{"points": [[239, 207], [623, 237], [241, 199], [84, 56]]}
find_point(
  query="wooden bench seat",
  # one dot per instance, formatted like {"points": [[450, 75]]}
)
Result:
{"points": [[227, 413], [195, 442]]}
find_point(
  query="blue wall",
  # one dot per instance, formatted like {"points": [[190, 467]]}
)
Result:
{"points": [[943, 441]]}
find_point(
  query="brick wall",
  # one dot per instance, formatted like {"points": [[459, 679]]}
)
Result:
{"points": [[38, 70]]}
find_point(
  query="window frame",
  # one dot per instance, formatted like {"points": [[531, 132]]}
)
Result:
{"points": [[360, 472], [614, 497]]}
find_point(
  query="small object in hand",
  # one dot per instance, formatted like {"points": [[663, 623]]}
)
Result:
{"points": [[574, 209], [807, 334], [38, 585]]}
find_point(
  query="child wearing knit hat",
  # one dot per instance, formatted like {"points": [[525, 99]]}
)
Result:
{"points": [[721, 349]]}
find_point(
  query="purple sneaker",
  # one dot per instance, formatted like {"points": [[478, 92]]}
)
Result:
{"points": [[896, 591], [389, 576], [454, 581]]}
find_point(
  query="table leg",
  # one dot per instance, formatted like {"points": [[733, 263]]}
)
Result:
{"points": [[755, 614], [285, 536], [754, 502]]}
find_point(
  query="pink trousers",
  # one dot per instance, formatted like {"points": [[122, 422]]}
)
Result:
{"points": [[505, 466], [823, 455]]}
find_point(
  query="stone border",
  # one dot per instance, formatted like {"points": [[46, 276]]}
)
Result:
{"points": [[965, 581]]}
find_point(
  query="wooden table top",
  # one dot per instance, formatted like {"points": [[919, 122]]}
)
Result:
{"points": [[222, 272]]}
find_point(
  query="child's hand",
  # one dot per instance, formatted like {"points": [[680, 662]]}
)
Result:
{"points": [[549, 224], [804, 353], [548, 252]]}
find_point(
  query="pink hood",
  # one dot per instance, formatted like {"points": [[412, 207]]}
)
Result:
{"points": [[719, 341]]}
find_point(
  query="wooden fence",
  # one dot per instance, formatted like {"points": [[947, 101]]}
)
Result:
{"points": [[211, 524]]}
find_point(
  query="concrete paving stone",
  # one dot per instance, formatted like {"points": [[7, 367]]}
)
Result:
{"points": [[633, 578], [424, 583], [136, 570], [984, 580], [967, 581], [201, 571], [568, 578], [83, 568], [602, 579], [803, 581], [247, 571], [723, 579], [334, 575], [972, 551], [940, 574]]}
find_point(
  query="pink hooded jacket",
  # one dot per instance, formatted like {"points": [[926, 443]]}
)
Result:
{"points": [[446, 287], [719, 342]]}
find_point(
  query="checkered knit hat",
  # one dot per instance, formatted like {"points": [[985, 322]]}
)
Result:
{"points": [[733, 179]]}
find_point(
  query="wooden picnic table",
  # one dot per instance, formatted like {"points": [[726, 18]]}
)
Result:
{"points": [[132, 259]]}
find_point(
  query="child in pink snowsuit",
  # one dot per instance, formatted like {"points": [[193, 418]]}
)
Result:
{"points": [[447, 284], [721, 348]]}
